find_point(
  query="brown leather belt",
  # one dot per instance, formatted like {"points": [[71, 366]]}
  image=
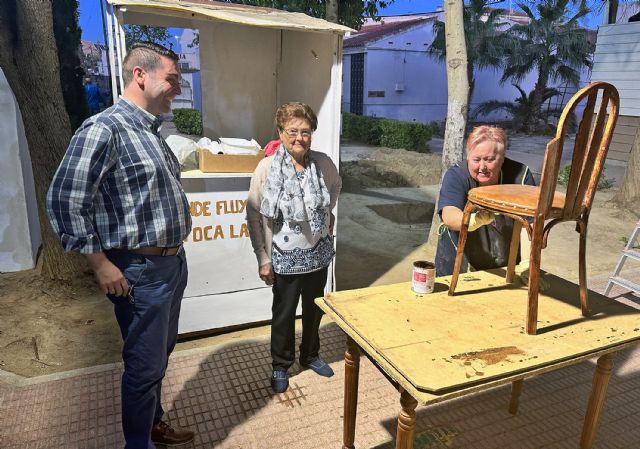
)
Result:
{"points": [[156, 251]]}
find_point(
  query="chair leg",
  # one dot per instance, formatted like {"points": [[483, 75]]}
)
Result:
{"points": [[513, 251], [534, 275], [582, 267], [462, 240]]}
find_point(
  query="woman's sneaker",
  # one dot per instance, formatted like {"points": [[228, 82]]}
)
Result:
{"points": [[319, 366], [279, 381]]}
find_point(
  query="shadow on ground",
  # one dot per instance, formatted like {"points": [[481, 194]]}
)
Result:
{"points": [[482, 420], [228, 395]]}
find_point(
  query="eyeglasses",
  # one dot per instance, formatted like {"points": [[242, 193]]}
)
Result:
{"points": [[292, 132]]}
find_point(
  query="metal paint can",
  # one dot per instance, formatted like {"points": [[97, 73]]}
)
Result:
{"points": [[424, 276]]}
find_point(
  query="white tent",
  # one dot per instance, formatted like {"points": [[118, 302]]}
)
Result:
{"points": [[252, 60]]}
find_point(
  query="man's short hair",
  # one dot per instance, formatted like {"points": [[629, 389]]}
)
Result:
{"points": [[146, 55]]}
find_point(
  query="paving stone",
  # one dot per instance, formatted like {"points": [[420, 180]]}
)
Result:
{"points": [[223, 392]]}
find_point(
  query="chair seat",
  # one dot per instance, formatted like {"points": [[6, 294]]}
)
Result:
{"points": [[514, 199]]}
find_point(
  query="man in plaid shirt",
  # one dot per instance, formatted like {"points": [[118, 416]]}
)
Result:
{"points": [[117, 199]]}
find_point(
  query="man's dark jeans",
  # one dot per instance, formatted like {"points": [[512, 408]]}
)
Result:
{"points": [[148, 320]]}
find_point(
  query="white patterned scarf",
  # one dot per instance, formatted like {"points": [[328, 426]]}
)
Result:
{"points": [[283, 192]]}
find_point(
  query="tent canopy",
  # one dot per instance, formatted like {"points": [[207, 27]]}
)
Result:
{"points": [[231, 13]]}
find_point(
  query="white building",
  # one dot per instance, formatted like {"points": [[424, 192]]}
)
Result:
{"points": [[387, 72], [188, 61], [189, 53], [185, 99]]}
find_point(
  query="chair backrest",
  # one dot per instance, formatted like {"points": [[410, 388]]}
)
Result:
{"points": [[592, 141]]}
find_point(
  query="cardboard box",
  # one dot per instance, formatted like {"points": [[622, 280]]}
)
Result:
{"points": [[227, 163]]}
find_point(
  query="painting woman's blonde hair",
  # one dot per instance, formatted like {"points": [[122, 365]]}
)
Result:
{"points": [[486, 132]]}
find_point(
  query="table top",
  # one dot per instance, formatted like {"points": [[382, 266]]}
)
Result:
{"points": [[439, 346]]}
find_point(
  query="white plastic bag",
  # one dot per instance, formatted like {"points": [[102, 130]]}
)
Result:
{"points": [[213, 146], [239, 146], [185, 151]]}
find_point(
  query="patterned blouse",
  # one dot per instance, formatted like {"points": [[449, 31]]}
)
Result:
{"points": [[302, 246]]}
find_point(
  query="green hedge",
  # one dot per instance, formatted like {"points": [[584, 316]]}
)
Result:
{"points": [[188, 121], [407, 135], [603, 181], [386, 132], [361, 128]]}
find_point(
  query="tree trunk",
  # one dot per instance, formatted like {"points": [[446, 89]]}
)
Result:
{"points": [[472, 83], [458, 95], [331, 11], [28, 57], [612, 11], [629, 193], [457, 85], [536, 103]]}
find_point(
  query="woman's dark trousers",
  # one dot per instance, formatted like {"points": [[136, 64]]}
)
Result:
{"points": [[286, 293]]}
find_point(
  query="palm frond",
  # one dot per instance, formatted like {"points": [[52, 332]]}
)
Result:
{"points": [[487, 107]]}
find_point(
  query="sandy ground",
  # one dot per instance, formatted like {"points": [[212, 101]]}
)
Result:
{"points": [[383, 221]]}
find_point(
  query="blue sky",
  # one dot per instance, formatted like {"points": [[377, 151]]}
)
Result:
{"points": [[91, 20]]}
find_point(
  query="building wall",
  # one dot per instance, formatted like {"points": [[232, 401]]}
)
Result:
{"points": [[617, 61], [346, 82], [402, 59], [197, 90], [185, 99]]}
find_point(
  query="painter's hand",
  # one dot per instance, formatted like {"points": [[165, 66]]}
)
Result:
{"points": [[480, 218], [266, 273], [522, 270], [109, 277]]}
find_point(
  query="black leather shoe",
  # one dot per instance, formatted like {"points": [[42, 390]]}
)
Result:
{"points": [[163, 433]]}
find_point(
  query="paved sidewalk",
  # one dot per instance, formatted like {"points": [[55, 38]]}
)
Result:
{"points": [[223, 393]]}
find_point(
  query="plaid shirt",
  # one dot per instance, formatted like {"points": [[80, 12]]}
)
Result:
{"points": [[118, 185]]}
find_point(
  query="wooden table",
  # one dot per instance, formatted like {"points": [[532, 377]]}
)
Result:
{"points": [[436, 347]]}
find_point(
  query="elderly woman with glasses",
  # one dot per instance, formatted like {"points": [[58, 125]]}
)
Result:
{"points": [[290, 223]]}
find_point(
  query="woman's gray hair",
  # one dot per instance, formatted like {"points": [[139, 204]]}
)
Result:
{"points": [[146, 55], [295, 110]]}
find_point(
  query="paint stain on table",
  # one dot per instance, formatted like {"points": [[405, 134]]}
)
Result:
{"points": [[489, 356]]}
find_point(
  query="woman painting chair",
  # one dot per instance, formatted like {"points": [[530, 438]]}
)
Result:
{"points": [[489, 234], [290, 223]]}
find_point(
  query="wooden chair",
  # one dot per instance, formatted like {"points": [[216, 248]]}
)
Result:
{"points": [[544, 203]]}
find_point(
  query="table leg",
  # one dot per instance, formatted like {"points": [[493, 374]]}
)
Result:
{"points": [[351, 375], [596, 400], [406, 422], [516, 390]]}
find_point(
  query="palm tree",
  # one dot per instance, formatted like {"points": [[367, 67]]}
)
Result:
{"points": [[551, 44], [520, 109], [485, 38]]}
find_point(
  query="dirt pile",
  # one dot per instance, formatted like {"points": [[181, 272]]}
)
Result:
{"points": [[387, 167], [51, 326]]}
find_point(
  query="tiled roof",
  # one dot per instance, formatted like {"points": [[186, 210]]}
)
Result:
{"points": [[370, 33], [374, 31]]}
